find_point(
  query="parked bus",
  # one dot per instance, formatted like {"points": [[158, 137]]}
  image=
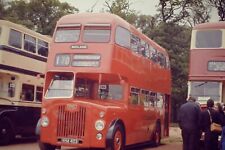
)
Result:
{"points": [[107, 85], [23, 56], [207, 63]]}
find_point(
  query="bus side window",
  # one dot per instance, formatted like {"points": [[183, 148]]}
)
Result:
{"points": [[29, 43], [15, 39], [153, 99], [42, 48], [135, 96], [39, 92], [27, 92], [135, 42]]}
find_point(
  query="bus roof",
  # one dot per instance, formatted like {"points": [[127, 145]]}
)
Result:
{"points": [[210, 25], [24, 29], [104, 18], [88, 18]]}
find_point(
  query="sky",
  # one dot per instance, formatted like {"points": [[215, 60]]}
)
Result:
{"points": [[142, 6], [146, 7]]}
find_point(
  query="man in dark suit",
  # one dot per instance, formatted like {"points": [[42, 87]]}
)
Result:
{"points": [[211, 138], [188, 118]]}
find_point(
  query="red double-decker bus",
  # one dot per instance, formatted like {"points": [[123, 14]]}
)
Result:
{"points": [[107, 85], [207, 63]]}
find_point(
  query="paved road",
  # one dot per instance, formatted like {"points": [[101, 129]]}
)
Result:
{"points": [[172, 143], [34, 146]]}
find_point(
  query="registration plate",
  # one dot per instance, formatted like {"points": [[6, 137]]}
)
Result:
{"points": [[69, 140]]}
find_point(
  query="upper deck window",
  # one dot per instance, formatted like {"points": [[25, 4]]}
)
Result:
{"points": [[122, 37], [29, 43], [15, 38], [208, 39], [42, 48], [67, 34], [135, 43], [97, 33]]}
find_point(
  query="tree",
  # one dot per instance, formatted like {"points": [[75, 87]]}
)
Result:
{"points": [[176, 40], [180, 11], [2, 9], [39, 15], [220, 6], [146, 23], [122, 9]]}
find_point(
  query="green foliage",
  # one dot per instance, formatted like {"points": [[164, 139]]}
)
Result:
{"points": [[2, 9], [180, 11], [176, 39], [38, 15], [220, 6], [122, 9]]}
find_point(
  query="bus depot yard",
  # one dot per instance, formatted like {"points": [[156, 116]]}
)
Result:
{"points": [[173, 142]]}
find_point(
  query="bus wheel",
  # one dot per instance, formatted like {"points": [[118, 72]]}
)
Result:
{"points": [[45, 146], [6, 131], [118, 142], [157, 135]]}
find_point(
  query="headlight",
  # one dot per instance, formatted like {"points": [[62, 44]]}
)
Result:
{"points": [[99, 136], [44, 121], [99, 125]]}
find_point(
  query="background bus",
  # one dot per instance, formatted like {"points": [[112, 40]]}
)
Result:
{"points": [[207, 63], [23, 56], [107, 85]]}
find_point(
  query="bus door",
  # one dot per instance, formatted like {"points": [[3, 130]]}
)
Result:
{"points": [[28, 111], [166, 115], [223, 92]]}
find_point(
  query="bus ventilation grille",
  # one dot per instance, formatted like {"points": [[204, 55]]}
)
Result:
{"points": [[71, 123]]}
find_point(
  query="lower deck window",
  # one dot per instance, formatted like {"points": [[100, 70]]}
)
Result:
{"points": [[27, 92]]}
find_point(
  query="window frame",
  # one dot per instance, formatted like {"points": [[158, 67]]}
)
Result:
{"points": [[29, 43], [116, 41], [20, 34]]}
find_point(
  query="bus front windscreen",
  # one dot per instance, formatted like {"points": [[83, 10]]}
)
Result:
{"points": [[203, 90], [61, 86]]}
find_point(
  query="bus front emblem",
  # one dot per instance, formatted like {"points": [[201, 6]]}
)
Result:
{"points": [[71, 107]]}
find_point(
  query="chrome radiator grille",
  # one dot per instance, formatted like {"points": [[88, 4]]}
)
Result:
{"points": [[71, 123]]}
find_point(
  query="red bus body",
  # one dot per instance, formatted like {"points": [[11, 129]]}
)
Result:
{"points": [[207, 65], [142, 112]]}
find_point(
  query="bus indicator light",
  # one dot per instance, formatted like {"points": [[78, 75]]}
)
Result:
{"points": [[99, 136], [101, 114]]}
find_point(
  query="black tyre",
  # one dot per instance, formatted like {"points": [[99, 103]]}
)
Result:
{"points": [[6, 131], [45, 146], [157, 135], [118, 139]]}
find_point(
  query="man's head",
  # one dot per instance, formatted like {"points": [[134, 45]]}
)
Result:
{"points": [[210, 103], [191, 99]]}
